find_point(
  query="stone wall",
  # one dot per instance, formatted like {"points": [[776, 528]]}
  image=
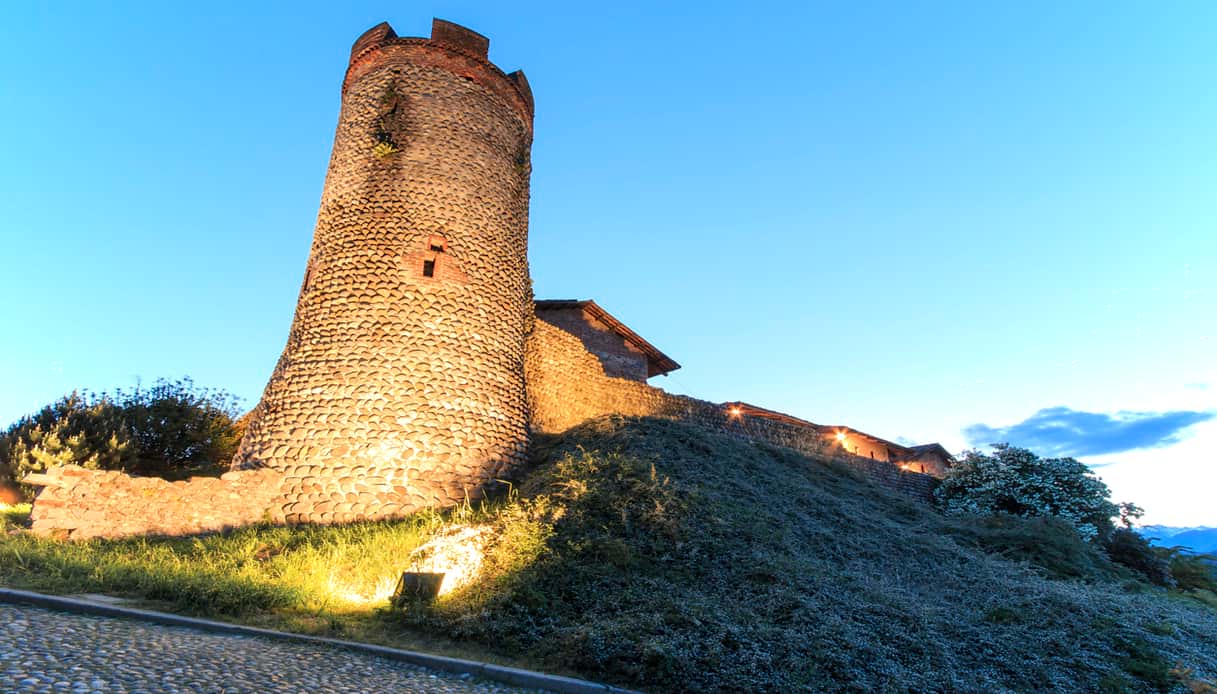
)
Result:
{"points": [[83, 504], [402, 382], [567, 386], [619, 358]]}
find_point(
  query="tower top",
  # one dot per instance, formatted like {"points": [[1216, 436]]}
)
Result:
{"points": [[460, 50]]}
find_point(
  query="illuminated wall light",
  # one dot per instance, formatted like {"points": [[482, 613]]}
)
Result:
{"points": [[735, 412], [841, 437], [455, 553]]}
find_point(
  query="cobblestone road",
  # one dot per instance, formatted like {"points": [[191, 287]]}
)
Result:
{"points": [[46, 651]]}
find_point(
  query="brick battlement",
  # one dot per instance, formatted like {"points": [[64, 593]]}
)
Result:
{"points": [[453, 47]]}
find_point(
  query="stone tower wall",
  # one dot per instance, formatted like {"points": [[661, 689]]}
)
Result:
{"points": [[402, 382]]}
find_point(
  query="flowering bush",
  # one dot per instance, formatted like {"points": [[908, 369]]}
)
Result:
{"points": [[1016, 481]]}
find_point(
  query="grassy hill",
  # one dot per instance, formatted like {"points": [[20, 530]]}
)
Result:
{"points": [[677, 558], [664, 557]]}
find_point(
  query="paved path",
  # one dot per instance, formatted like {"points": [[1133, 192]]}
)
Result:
{"points": [[46, 651]]}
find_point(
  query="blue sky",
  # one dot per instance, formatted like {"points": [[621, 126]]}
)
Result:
{"points": [[941, 221]]}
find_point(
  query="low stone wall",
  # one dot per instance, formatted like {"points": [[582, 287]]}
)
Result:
{"points": [[568, 386], [85, 504]]}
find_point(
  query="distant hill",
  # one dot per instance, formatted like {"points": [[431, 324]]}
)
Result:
{"points": [[1201, 539], [668, 558]]}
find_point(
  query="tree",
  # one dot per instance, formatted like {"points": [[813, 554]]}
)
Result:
{"points": [[178, 425], [1016, 481]]}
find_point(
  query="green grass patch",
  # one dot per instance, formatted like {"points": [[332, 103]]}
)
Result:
{"points": [[1145, 663], [330, 581], [14, 516], [662, 556]]}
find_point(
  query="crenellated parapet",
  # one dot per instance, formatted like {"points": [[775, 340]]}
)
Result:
{"points": [[452, 47]]}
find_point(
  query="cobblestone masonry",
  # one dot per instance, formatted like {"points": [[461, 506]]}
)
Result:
{"points": [[90, 503], [402, 383]]}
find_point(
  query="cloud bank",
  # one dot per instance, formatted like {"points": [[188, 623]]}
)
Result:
{"points": [[1060, 431]]}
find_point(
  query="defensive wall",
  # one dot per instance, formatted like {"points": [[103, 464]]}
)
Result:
{"points": [[568, 385], [83, 504]]}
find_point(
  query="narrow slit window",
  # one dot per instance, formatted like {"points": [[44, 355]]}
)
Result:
{"points": [[428, 268]]}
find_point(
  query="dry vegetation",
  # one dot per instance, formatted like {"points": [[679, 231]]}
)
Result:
{"points": [[660, 556]]}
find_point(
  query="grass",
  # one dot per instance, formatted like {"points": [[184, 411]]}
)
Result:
{"points": [[13, 516], [1048, 545], [330, 581], [660, 556]]}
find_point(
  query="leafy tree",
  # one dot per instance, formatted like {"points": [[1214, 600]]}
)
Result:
{"points": [[177, 425], [166, 429], [1016, 481]]}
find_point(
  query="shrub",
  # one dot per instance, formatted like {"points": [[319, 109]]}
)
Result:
{"points": [[1017, 482], [1128, 548], [177, 425], [78, 429], [1049, 544], [168, 428], [1189, 570]]}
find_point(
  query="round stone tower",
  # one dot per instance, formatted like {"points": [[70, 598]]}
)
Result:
{"points": [[402, 383]]}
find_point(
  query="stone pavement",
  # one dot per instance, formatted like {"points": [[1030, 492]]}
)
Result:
{"points": [[46, 651]]}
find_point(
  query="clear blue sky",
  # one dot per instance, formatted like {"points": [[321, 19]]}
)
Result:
{"points": [[930, 221]]}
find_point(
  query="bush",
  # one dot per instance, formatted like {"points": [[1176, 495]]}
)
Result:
{"points": [[164, 430], [178, 425], [9, 492], [78, 429], [1128, 548], [1017, 482], [1189, 570], [1049, 544]]}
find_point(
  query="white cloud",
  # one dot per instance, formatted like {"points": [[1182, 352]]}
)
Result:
{"points": [[1175, 485]]}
